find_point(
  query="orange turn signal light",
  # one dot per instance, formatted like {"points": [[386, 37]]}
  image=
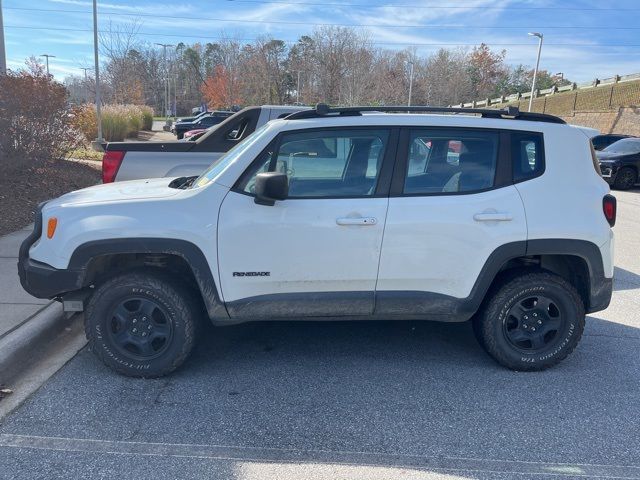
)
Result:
{"points": [[51, 226]]}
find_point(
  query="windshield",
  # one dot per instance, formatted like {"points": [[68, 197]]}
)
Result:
{"points": [[626, 145], [228, 158]]}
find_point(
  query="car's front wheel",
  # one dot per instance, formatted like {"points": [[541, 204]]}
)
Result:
{"points": [[141, 324], [531, 321]]}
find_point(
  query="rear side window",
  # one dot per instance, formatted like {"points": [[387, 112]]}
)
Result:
{"points": [[527, 154], [450, 161]]}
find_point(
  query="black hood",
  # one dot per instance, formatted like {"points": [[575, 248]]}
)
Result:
{"points": [[609, 155]]}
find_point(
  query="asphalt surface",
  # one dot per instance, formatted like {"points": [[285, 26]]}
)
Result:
{"points": [[367, 400]]}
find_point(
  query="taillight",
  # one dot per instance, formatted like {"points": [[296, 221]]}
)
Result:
{"points": [[111, 162], [609, 207]]}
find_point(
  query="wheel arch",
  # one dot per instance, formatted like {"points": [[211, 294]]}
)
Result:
{"points": [[577, 261], [101, 258]]}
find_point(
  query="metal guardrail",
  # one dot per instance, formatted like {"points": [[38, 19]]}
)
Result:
{"points": [[598, 82]]}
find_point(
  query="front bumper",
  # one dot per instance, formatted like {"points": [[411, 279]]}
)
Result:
{"points": [[609, 172], [42, 280]]}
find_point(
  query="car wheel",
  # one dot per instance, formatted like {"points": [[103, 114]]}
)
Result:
{"points": [[141, 324], [179, 135], [626, 178], [531, 321]]}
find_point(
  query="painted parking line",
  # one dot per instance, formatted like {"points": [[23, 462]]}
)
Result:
{"points": [[321, 457]]}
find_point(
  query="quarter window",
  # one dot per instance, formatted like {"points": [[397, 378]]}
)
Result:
{"points": [[325, 163], [449, 161], [527, 154]]}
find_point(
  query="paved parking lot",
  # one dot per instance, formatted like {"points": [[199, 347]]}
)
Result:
{"points": [[350, 400]]}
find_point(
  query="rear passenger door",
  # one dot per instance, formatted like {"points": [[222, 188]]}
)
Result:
{"points": [[452, 204]]}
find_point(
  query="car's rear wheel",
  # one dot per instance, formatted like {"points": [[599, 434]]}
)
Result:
{"points": [[531, 321], [141, 324], [626, 178]]}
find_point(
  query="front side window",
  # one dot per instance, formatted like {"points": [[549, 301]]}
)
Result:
{"points": [[449, 161], [324, 163]]}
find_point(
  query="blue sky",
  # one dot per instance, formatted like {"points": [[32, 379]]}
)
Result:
{"points": [[584, 39]]}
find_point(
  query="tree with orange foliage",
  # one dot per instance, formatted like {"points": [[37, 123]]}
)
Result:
{"points": [[220, 89], [487, 71]]}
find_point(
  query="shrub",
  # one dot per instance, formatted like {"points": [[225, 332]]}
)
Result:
{"points": [[118, 121], [35, 119], [115, 124], [84, 119], [147, 117]]}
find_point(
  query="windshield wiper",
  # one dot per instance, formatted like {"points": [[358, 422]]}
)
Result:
{"points": [[182, 182]]}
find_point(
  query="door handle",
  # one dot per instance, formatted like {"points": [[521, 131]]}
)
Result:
{"points": [[493, 217], [356, 221]]}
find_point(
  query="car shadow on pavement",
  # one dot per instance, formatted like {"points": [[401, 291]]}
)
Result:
{"points": [[273, 396], [625, 279]]}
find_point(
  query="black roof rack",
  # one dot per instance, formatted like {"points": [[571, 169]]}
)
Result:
{"points": [[514, 113]]}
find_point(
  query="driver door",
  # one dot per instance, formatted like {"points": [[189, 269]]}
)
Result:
{"points": [[316, 253]]}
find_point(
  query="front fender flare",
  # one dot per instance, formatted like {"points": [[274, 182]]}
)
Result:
{"points": [[188, 251]]}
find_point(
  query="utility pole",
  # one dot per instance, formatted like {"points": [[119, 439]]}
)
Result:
{"points": [[166, 76], [97, 71], [47, 56], [410, 82], [535, 72], [175, 96], [298, 89], [3, 53]]}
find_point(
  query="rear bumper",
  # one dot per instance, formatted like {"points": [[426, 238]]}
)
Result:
{"points": [[600, 295], [42, 280]]}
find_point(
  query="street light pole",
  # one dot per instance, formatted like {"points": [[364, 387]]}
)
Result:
{"points": [[166, 75], [410, 83], [86, 84], [535, 72], [97, 71], [47, 56], [3, 53]]}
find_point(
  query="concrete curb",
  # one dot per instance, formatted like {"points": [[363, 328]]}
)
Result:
{"points": [[18, 347]]}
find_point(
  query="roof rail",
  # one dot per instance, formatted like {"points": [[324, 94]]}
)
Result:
{"points": [[510, 112]]}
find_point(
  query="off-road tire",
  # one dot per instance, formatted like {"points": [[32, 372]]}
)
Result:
{"points": [[181, 308], [626, 178], [493, 326]]}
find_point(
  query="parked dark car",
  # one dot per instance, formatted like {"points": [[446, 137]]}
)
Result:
{"points": [[203, 122], [600, 142], [620, 163], [188, 119]]}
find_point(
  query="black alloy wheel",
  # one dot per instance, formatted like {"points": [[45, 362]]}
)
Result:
{"points": [[534, 324], [140, 328]]}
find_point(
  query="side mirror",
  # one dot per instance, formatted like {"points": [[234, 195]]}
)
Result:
{"points": [[271, 186]]}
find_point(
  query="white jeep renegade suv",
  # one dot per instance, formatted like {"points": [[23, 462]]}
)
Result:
{"points": [[496, 216]]}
